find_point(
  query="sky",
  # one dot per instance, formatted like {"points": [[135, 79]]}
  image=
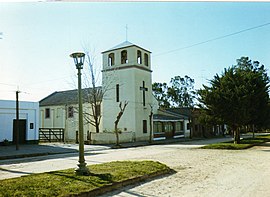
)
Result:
{"points": [[198, 39]]}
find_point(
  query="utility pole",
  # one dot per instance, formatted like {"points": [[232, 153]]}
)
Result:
{"points": [[17, 120]]}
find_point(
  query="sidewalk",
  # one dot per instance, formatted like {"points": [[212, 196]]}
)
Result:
{"points": [[34, 150]]}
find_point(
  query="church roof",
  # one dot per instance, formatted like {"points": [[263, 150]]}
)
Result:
{"points": [[169, 115], [66, 97], [123, 45], [164, 118]]}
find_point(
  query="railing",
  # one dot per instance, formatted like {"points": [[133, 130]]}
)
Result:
{"points": [[51, 134]]}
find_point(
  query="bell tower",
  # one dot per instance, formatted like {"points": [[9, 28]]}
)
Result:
{"points": [[127, 76]]}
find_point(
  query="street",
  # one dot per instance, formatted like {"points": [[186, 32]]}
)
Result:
{"points": [[199, 172]]}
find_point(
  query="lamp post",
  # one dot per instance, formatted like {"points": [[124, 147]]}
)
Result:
{"points": [[79, 60]]}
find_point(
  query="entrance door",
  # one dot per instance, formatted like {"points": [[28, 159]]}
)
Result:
{"points": [[22, 131]]}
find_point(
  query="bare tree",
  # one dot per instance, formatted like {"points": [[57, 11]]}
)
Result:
{"points": [[120, 114], [94, 94]]}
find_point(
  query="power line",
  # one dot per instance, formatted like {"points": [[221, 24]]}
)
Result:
{"points": [[6, 84], [214, 39]]}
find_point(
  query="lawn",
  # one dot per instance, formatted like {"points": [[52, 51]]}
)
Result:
{"points": [[65, 182], [244, 143]]}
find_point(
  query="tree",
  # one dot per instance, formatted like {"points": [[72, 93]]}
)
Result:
{"points": [[119, 115], [181, 92], [160, 92], [94, 95], [239, 96]]}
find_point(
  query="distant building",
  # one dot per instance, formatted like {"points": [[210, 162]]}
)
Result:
{"points": [[28, 121], [170, 125]]}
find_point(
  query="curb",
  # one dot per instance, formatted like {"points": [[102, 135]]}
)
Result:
{"points": [[117, 185]]}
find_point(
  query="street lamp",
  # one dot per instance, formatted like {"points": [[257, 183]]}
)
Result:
{"points": [[79, 60]]}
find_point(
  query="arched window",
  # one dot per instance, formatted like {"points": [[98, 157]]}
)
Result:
{"points": [[139, 57], [146, 59], [111, 59], [124, 59]]}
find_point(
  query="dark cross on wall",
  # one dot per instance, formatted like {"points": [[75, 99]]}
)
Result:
{"points": [[144, 89]]}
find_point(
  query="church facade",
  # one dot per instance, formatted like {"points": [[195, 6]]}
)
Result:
{"points": [[126, 78]]}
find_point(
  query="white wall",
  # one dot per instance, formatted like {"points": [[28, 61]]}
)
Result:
{"points": [[130, 77], [59, 119], [27, 110]]}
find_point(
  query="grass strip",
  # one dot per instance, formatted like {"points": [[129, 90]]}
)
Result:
{"points": [[244, 143], [66, 183]]}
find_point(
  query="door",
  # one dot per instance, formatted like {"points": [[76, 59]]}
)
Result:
{"points": [[22, 131]]}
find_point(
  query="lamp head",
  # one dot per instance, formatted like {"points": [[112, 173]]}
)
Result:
{"points": [[78, 59]]}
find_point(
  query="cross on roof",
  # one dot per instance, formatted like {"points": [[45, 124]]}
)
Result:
{"points": [[126, 32]]}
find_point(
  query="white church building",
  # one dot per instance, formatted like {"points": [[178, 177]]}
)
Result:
{"points": [[126, 77]]}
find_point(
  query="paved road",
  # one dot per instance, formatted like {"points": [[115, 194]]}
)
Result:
{"points": [[93, 155], [199, 172]]}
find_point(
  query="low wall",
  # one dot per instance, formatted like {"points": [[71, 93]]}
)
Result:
{"points": [[110, 138]]}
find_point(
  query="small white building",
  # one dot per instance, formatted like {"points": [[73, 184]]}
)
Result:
{"points": [[28, 121], [59, 110]]}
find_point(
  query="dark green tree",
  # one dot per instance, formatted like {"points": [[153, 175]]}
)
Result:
{"points": [[238, 97]]}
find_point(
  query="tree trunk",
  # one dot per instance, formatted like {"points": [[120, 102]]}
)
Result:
{"points": [[236, 132], [190, 129], [122, 109], [116, 133], [150, 122], [253, 131]]}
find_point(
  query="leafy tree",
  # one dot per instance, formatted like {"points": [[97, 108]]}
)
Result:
{"points": [[239, 96], [181, 92]]}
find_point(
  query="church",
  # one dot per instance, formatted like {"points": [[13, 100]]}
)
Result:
{"points": [[126, 78]]}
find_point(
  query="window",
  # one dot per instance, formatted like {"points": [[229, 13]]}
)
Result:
{"points": [[111, 59], [70, 112], [47, 113], [144, 126], [146, 59], [117, 92], [168, 127], [124, 59], [158, 127], [180, 126], [139, 57]]}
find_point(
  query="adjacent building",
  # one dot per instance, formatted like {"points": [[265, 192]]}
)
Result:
{"points": [[28, 121]]}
